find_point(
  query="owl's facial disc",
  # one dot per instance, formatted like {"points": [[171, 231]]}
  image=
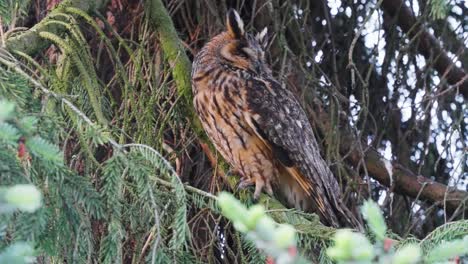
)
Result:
{"points": [[244, 51]]}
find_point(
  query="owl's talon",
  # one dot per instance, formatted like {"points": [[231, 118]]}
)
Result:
{"points": [[255, 199], [232, 172], [268, 188], [259, 187], [258, 191], [244, 184]]}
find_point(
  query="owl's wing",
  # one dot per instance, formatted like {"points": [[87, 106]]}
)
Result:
{"points": [[280, 122]]}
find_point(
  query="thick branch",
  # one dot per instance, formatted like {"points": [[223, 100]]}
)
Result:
{"points": [[30, 42], [175, 54], [402, 181], [428, 46], [398, 178]]}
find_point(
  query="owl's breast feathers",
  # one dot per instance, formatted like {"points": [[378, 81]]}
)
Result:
{"points": [[220, 101]]}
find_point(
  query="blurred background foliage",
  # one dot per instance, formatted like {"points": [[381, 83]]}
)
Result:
{"points": [[278, 241], [103, 125]]}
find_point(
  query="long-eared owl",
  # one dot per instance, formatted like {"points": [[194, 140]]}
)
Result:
{"points": [[259, 127]]}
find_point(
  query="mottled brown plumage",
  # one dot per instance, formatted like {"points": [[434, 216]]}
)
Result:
{"points": [[259, 127]]}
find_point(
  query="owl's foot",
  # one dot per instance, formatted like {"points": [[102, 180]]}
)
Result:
{"points": [[232, 172], [244, 183], [260, 185]]}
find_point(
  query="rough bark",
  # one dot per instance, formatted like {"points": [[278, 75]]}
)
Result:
{"points": [[401, 180], [30, 42], [428, 46]]}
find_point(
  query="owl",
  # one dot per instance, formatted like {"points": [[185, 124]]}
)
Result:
{"points": [[259, 127]]}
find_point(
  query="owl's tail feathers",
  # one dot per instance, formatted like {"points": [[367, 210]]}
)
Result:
{"points": [[301, 193], [347, 217], [298, 192], [333, 193]]}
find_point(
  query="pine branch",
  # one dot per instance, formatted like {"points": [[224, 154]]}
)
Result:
{"points": [[11, 62]]}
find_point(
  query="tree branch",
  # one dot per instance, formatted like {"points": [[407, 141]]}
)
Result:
{"points": [[428, 46], [174, 53], [30, 42], [393, 175], [402, 181]]}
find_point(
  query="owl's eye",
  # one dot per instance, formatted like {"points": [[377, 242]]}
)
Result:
{"points": [[243, 54]]}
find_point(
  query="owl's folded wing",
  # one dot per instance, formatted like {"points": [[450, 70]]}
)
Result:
{"points": [[280, 122]]}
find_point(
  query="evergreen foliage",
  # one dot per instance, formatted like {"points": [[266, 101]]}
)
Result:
{"points": [[279, 241], [13, 9], [23, 197], [439, 9]]}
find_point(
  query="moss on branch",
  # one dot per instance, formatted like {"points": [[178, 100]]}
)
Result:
{"points": [[175, 55], [30, 41]]}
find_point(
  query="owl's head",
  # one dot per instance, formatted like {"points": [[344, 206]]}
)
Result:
{"points": [[243, 50]]}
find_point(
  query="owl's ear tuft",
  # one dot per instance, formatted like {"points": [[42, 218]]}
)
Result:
{"points": [[262, 38], [234, 24]]}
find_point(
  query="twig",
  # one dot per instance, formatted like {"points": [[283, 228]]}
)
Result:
{"points": [[188, 188]]}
